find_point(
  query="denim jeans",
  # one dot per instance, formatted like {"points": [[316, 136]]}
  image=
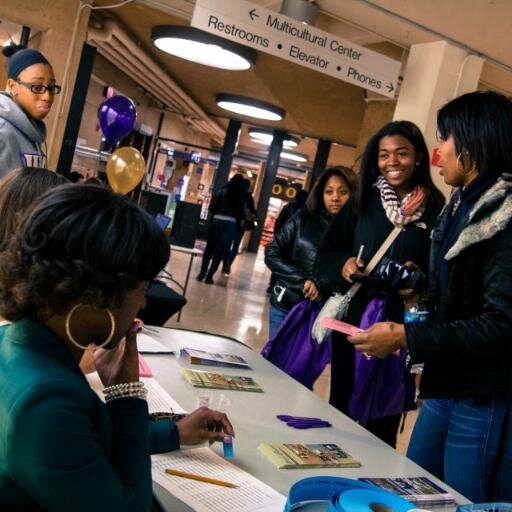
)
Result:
{"points": [[231, 254], [275, 318], [457, 440], [220, 237]]}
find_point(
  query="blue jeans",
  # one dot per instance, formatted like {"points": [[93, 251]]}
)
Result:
{"points": [[457, 440], [233, 251], [275, 318], [220, 237]]}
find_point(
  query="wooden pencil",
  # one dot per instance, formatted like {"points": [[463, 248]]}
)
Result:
{"points": [[199, 478]]}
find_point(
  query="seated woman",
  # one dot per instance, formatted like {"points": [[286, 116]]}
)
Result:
{"points": [[73, 279]]}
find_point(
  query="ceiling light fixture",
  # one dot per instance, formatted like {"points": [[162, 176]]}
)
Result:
{"points": [[293, 155], [249, 107], [262, 136], [193, 44]]}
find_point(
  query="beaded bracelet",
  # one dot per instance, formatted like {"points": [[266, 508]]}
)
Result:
{"points": [[125, 390]]}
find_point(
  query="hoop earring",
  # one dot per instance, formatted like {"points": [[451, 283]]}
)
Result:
{"points": [[88, 347]]}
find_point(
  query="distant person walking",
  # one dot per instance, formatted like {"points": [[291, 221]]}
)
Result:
{"points": [[227, 211], [247, 224]]}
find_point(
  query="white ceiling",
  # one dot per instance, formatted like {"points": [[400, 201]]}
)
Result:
{"points": [[322, 106]]}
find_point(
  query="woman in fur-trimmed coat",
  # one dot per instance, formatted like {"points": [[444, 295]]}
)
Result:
{"points": [[463, 434]]}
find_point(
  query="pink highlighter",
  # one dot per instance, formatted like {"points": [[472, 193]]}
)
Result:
{"points": [[338, 325]]}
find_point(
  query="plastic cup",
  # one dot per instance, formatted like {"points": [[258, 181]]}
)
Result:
{"points": [[215, 401]]}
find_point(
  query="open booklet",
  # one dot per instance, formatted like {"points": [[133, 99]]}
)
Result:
{"points": [[420, 490], [213, 380], [305, 456], [194, 356]]}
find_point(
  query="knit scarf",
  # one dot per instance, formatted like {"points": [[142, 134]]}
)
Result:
{"points": [[403, 212]]}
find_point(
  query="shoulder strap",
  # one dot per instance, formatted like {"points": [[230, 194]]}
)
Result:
{"points": [[376, 258], [382, 250]]}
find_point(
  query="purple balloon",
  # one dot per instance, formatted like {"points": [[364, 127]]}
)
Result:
{"points": [[117, 117]]}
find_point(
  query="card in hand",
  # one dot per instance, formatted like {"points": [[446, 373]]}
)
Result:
{"points": [[338, 325]]}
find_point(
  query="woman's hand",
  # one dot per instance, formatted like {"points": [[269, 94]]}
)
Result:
{"points": [[380, 340], [352, 266], [204, 425], [310, 291], [120, 364]]}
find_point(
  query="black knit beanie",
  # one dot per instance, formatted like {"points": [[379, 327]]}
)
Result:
{"points": [[20, 58]]}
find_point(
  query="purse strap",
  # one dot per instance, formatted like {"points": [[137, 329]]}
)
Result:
{"points": [[375, 260]]}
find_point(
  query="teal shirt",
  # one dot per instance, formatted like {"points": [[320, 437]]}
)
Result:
{"points": [[61, 448]]}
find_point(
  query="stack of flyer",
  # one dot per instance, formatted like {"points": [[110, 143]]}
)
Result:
{"points": [[419, 490], [306, 456], [213, 380]]}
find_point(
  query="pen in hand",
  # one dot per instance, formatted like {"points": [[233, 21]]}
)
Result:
{"points": [[199, 478], [359, 263]]}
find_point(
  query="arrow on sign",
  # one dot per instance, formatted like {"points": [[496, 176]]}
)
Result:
{"points": [[253, 14], [389, 87]]}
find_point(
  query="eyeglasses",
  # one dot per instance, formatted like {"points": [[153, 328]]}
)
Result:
{"points": [[40, 88]]}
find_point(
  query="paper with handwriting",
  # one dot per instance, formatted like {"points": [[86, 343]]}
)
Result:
{"points": [[251, 495]]}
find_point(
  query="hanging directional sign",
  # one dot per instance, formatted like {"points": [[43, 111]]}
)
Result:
{"points": [[279, 35]]}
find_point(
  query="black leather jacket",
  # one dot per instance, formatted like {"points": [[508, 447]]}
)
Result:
{"points": [[467, 351], [291, 256]]}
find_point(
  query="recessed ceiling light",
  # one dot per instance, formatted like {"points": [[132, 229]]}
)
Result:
{"points": [[262, 136], [286, 143], [293, 155], [197, 46], [250, 107]]}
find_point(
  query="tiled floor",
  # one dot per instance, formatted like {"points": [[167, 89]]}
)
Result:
{"points": [[237, 306]]}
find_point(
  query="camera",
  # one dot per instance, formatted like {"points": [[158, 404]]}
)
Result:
{"points": [[390, 276]]}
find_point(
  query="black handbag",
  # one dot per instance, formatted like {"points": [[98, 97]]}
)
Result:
{"points": [[250, 222]]}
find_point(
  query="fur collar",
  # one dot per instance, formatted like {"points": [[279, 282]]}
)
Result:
{"points": [[491, 214]]}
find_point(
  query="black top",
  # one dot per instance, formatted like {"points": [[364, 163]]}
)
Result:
{"points": [[229, 203], [291, 255], [468, 350]]}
